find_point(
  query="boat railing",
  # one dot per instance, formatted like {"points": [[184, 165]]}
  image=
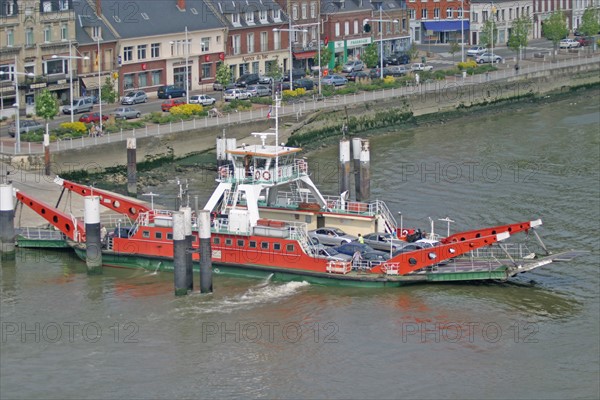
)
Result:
{"points": [[39, 233], [516, 251], [299, 232]]}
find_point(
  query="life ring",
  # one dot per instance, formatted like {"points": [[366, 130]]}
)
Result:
{"points": [[223, 172], [279, 173], [405, 232], [302, 166], [267, 175], [257, 175]]}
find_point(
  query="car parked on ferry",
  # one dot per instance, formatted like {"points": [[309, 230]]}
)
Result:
{"points": [[383, 241], [330, 236]]}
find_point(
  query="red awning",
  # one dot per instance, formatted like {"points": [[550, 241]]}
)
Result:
{"points": [[305, 54]]}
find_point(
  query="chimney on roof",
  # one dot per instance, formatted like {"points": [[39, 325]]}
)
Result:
{"points": [[98, 8], [181, 4]]}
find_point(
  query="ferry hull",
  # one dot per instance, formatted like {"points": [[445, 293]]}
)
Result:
{"points": [[352, 279]]}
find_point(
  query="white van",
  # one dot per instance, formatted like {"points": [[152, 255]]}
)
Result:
{"points": [[84, 104]]}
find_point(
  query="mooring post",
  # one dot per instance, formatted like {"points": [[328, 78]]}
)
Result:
{"points": [[344, 165], [365, 171], [206, 285], [356, 147], [220, 151], [230, 145], [179, 253], [189, 263], [93, 245], [131, 166], [47, 153], [7, 221]]}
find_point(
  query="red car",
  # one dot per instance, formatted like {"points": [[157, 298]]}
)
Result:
{"points": [[584, 41], [93, 117], [166, 105]]}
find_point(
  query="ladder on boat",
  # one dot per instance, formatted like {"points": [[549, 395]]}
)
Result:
{"points": [[389, 222]]}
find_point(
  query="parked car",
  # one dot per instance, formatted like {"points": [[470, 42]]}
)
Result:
{"points": [[375, 73], [421, 67], [475, 51], [135, 97], [202, 99], [397, 70], [397, 59], [235, 94], [167, 105], [488, 58], [568, 43], [170, 91], [84, 104], [330, 253], [353, 76], [297, 73], [408, 248], [92, 117], [304, 83], [334, 80], [352, 66], [258, 90], [247, 79], [383, 241], [25, 126], [366, 251], [126, 113], [218, 87], [330, 236], [585, 40]]}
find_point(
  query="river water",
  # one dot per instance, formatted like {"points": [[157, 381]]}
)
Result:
{"points": [[124, 335]]}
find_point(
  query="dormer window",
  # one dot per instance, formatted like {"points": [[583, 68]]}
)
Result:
{"points": [[263, 16], [235, 19], [277, 15], [249, 17], [96, 32]]}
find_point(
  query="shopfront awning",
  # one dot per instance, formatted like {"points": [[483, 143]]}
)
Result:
{"points": [[91, 82], [305, 54], [446, 26]]}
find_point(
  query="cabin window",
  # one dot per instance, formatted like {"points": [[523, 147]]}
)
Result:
{"points": [[264, 245], [146, 234], [241, 243], [252, 244], [216, 240], [169, 236], [290, 248], [194, 238], [228, 242], [158, 235], [277, 246]]}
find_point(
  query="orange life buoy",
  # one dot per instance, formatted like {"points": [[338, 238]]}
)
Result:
{"points": [[302, 166], [267, 175], [404, 232], [257, 175]]}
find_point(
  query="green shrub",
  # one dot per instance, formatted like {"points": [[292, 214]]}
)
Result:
{"points": [[261, 100]]}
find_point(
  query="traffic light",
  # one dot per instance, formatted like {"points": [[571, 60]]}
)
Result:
{"points": [[367, 28]]}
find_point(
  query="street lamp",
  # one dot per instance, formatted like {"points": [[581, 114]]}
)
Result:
{"points": [[290, 30], [381, 21], [70, 57], [462, 30], [187, 61], [17, 121], [318, 46]]}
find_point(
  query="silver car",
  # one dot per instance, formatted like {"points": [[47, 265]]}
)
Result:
{"points": [[488, 58], [352, 66], [202, 99], [330, 253], [330, 236], [258, 90], [126, 113], [383, 241], [135, 97]]}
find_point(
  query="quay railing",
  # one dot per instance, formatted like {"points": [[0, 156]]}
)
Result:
{"points": [[451, 83]]}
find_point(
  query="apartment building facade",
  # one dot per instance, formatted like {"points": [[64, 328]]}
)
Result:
{"points": [[439, 21], [504, 12], [31, 33]]}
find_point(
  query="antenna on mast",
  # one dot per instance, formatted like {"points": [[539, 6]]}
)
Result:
{"points": [[151, 195]]}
